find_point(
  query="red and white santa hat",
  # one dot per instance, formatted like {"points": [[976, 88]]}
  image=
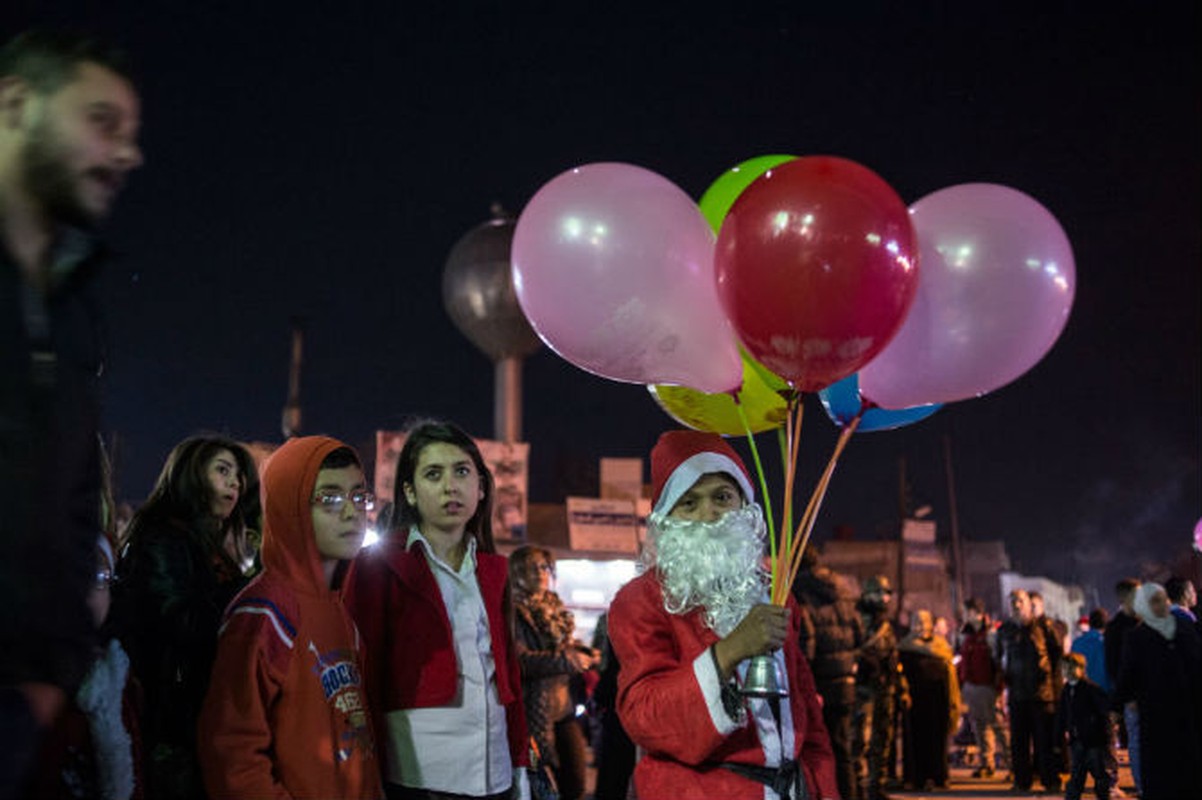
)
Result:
{"points": [[679, 458]]}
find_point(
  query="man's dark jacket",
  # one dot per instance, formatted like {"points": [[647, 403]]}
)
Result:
{"points": [[50, 362], [1026, 665]]}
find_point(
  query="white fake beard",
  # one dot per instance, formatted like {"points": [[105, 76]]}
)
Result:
{"points": [[716, 566]]}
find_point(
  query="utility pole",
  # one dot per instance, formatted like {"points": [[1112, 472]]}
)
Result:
{"points": [[902, 511], [290, 420], [957, 553]]}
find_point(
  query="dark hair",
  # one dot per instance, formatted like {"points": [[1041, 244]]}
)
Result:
{"points": [[1174, 587], [419, 437], [1126, 587], [975, 604], [341, 458], [182, 491], [1097, 619], [48, 60]]}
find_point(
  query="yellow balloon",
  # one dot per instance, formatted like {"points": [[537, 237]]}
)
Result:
{"points": [[761, 397]]}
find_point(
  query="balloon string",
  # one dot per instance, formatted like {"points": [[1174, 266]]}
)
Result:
{"points": [[782, 440], [781, 589], [759, 471], [793, 422]]}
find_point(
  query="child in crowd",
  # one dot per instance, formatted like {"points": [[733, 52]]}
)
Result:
{"points": [[1082, 715], [432, 600], [285, 715], [93, 749], [190, 547]]}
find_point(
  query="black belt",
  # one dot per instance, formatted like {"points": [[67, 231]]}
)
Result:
{"points": [[782, 779]]}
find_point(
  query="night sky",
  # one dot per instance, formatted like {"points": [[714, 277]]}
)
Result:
{"points": [[320, 160]]}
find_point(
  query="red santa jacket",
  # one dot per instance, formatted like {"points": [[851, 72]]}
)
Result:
{"points": [[664, 709], [394, 598]]}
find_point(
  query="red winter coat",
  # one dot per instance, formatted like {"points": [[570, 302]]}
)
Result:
{"points": [[395, 600]]}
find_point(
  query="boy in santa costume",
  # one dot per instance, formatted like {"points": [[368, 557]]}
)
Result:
{"points": [[684, 629]]}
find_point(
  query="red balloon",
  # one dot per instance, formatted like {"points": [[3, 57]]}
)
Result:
{"points": [[817, 265]]}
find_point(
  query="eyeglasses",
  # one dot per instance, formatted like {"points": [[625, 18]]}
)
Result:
{"points": [[333, 502]]}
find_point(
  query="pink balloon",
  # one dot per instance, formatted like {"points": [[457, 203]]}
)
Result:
{"points": [[994, 292], [613, 266]]}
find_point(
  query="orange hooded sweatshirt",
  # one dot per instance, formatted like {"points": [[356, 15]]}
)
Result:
{"points": [[286, 712]]}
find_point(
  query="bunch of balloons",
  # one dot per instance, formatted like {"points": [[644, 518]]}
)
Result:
{"points": [[792, 275]]}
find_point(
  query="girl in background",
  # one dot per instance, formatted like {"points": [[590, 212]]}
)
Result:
{"points": [[549, 656], [432, 603], [190, 548]]}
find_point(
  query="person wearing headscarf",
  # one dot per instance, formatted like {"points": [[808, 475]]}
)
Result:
{"points": [[1162, 661], [935, 703], [684, 631]]}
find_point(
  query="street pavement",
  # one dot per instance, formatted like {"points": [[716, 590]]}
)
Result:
{"points": [[962, 786]]}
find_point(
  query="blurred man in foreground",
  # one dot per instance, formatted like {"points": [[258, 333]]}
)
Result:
{"points": [[69, 118]]}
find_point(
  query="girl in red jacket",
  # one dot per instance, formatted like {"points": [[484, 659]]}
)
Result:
{"points": [[431, 600]]}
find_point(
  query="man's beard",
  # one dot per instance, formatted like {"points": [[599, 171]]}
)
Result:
{"points": [[715, 566], [48, 178]]}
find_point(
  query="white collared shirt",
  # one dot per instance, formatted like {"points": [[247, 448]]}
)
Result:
{"points": [[461, 747]]}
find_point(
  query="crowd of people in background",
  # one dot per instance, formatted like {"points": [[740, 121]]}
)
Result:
{"points": [[235, 639]]}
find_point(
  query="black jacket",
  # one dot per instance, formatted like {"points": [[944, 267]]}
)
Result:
{"points": [[1026, 665], [1112, 640], [1082, 714], [831, 632], [168, 603], [50, 363]]}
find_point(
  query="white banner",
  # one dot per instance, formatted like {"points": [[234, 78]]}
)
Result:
{"points": [[602, 525]]}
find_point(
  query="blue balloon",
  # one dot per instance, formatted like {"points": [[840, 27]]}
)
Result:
{"points": [[842, 402]]}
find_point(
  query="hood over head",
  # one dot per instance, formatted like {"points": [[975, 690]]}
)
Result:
{"points": [[289, 543], [680, 458]]}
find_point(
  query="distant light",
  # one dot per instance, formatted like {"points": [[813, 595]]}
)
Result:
{"points": [[873, 239], [371, 538]]}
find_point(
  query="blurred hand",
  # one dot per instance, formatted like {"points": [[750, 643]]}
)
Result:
{"points": [[580, 660], [762, 631]]}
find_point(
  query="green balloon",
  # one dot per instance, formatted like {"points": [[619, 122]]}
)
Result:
{"points": [[723, 192]]}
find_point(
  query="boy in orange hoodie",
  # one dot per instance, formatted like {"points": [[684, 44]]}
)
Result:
{"points": [[285, 715]]}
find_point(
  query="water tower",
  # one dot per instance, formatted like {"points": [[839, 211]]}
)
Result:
{"points": [[478, 294]]}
